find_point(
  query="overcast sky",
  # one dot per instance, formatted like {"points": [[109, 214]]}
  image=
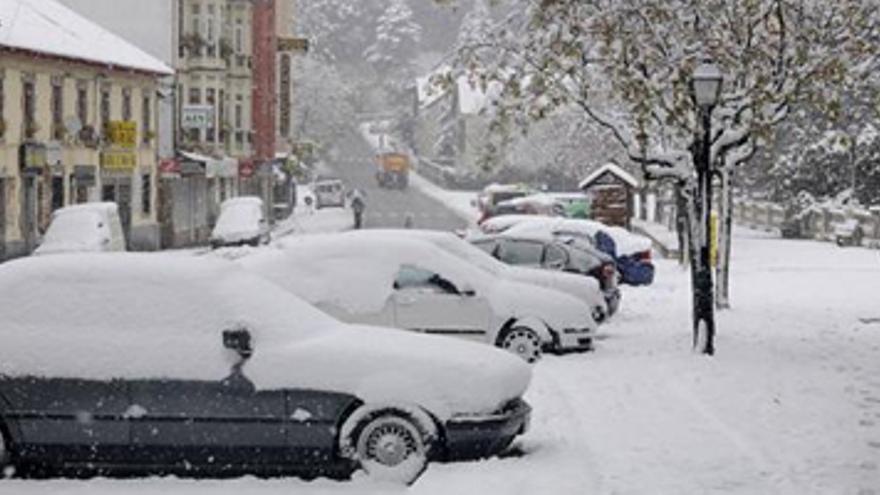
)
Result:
{"points": [[145, 23]]}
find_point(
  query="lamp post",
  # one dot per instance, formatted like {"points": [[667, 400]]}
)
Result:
{"points": [[707, 80]]}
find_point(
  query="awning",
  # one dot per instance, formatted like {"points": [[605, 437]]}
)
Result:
{"points": [[214, 167]]}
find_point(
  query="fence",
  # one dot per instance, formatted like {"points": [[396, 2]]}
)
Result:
{"points": [[819, 222]]}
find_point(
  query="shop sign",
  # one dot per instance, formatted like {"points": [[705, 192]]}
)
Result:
{"points": [[169, 166], [118, 160], [197, 117], [33, 156], [122, 134]]}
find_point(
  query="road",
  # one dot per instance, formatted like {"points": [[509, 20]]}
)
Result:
{"points": [[389, 208]]}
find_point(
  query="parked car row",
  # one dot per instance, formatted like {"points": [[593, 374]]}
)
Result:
{"points": [[316, 355], [632, 253], [180, 364]]}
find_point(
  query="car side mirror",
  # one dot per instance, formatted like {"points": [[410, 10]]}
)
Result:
{"points": [[466, 290], [238, 340]]}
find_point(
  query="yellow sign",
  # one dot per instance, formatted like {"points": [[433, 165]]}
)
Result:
{"points": [[119, 161], [122, 133]]}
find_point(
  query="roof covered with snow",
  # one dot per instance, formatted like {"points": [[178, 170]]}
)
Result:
{"points": [[47, 27], [612, 168]]}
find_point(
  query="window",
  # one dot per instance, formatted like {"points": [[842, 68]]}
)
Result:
{"points": [[414, 278], [555, 257], [146, 112], [29, 108], [82, 105], [239, 38], [57, 109], [521, 252], [196, 8], [195, 96], [105, 106], [146, 193], [238, 116], [126, 104]]}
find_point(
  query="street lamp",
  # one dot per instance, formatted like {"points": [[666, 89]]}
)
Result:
{"points": [[707, 84], [706, 87]]}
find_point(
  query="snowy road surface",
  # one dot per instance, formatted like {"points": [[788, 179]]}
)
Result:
{"points": [[790, 405], [389, 208]]}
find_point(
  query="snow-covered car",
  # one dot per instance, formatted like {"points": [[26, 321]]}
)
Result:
{"points": [[631, 252], [367, 277], [242, 221], [90, 227], [182, 364], [585, 289], [329, 192], [555, 253]]}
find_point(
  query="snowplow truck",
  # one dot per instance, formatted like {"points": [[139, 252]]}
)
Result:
{"points": [[392, 170]]}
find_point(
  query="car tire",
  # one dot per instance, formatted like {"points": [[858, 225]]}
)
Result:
{"points": [[523, 342], [391, 447]]}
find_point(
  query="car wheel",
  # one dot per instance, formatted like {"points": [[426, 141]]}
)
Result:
{"points": [[391, 448], [598, 314], [523, 342]]}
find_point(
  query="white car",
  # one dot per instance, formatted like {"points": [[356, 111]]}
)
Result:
{"points": [[366, 277], [583, 288], [329, 192], [157, 361], [90, 227], [242, 221]]}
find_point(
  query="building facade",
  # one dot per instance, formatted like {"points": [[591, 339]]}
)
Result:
{"points": [[75, 127]]}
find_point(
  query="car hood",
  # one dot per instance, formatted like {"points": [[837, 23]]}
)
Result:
{"points": [[581, 287], [558, 309], [396, 367]]}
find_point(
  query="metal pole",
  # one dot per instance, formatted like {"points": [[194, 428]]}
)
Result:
{"points": [[704, 308]]}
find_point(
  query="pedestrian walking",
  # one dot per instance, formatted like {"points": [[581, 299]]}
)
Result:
{"points": [[358, 205]]}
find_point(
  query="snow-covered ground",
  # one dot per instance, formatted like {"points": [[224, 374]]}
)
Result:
{"points": [[790, 404]]}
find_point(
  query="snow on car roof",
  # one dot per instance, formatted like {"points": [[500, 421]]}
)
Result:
{"points": [[143, 300], [46, 26], [625, 241], [96, 207], [354, 271]]}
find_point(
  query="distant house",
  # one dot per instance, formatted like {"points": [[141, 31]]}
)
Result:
{"points": [[450, 130], [611, 190]]}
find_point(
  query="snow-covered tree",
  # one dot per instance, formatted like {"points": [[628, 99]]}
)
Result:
{"points": [[323, 110], [396, 43], [629, 65]]}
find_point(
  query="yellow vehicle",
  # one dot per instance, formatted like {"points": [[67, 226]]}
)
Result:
{"points": [[392, 170]]}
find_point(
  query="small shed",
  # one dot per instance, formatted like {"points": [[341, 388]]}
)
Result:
{"points": [[611, 190]]}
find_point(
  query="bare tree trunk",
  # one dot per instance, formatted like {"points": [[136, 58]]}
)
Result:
{"points": [[683, 222], [725, 233]]}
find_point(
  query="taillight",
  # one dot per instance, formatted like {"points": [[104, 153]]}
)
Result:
{"points": [[645, 256], [609, 272]]}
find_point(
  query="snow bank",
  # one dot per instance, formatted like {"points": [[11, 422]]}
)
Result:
{"points": [[134, 316]]}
